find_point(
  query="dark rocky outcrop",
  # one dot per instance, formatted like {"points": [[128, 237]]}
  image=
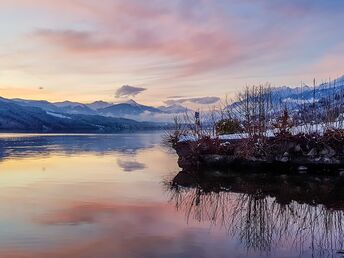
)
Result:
{"points": [[301, 153]]}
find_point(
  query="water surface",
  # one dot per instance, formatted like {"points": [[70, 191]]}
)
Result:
{"points": [[110, 196]]}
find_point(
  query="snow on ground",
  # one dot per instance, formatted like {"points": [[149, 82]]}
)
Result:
{"points": [[234, 136], [300, 101], [316, 128], [307, 129], [58, 115], [188, 138]]}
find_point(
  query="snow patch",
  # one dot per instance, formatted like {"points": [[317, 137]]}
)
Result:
{"points": [[305, 129], [58, 115], [188, 138], [301, 101]]}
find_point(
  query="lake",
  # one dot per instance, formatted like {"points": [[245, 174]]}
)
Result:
{"points": [[111, 196]]}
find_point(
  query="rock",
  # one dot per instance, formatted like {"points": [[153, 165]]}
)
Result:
{"points": [[216, 160], [284, 159], [312, 152], [317, 179], [297, 148], [328, 152], [302, 169], [323, 152], [335, 161], [317, 156], [332, 152], [327, 160]]}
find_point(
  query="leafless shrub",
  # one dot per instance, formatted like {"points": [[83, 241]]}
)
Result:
{"points": [[259, 114]]}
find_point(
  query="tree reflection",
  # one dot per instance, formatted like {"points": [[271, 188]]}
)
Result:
{"points": [[264, 216]]}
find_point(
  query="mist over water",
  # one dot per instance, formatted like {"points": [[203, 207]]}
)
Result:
{"points": [[112, 196]]}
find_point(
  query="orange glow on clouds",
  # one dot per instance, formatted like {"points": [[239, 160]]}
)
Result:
{"points": [[85, 50]]}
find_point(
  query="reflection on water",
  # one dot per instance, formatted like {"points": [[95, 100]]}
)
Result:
{"points": [[265, 211], [16, 145], [106, 196]]}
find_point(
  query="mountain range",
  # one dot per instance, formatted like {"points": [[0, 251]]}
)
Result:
{"points": [[295, 97], [124, 109], [308, 93], [17, 115], [129, 109], [21, 115]]}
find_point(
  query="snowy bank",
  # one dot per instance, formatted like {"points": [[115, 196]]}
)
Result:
{"points": [[319, 129], [304, 148]]}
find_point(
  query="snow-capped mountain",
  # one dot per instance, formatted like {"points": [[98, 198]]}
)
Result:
{"points": [[308, 93], [294, 97], [24, 111], [99, 104], [67, 104], [43, 104], [16, 117], [173, 109], [74, 108], [128, 108]]}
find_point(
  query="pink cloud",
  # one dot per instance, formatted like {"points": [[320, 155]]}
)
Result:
{"points": [[194, 42], [191, 37], [145, 29]]}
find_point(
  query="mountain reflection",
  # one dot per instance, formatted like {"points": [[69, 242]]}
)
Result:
{"points": [[266, 210], [20, 145]]}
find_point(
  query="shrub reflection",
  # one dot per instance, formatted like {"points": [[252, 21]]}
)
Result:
{"points": [[266, 211]]}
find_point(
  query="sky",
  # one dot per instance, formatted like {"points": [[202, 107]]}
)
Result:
{"points": [[159, 51]]}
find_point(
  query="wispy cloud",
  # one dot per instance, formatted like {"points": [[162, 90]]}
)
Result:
{"points": [[175, 97], [191, 42], [128, 91], [165, 44], [202, 100]]}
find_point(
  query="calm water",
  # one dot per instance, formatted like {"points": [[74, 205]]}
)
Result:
{"points": [[109, 196]]}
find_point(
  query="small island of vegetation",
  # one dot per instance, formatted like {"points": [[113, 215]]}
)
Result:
{"points": [[261, 129]]}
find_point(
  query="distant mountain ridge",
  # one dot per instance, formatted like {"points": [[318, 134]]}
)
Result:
{"points": [[101, 116], [175, 108], [129, 109], [74, 108], [19, 116], [293, 97], [99, 104], [307, 92], [43, 104]]}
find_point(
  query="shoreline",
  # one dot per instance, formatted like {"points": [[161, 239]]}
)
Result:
{"points": [[300, 153]]}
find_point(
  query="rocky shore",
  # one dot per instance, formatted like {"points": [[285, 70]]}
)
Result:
{"points": [[301, 153]]}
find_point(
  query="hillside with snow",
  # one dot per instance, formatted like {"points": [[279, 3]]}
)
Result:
{"points": [[20, 116]]}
